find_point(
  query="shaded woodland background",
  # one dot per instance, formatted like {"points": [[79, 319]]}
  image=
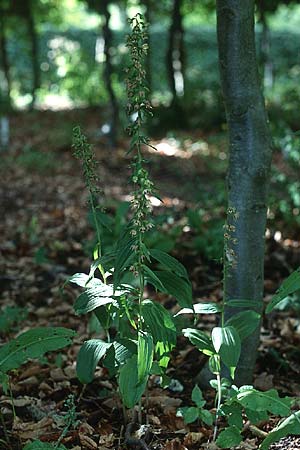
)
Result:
{"points": [[63, 64]]}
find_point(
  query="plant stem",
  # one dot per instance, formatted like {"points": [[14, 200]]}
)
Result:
{"points": [[140, 418], [12, 400], [219, 393], [98, 232]]}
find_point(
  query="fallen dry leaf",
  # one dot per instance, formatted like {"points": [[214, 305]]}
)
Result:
{"points": [[32, 430], [264, 382], [167, 404], [248, 444], [193, 438], [175, 444], [87, 442], [107, 440]]}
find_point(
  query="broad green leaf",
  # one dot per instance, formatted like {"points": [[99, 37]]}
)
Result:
{"points": [[175, 286], [88, 357], [169, 263], [234, 413], [153, 279], [104, 316], [39, 445], [130, 389], [190, 414], [200, 340], [201, 308], [162, 328], [156, 369], [96, 296], [288, 287], [256, 416], [33, 344], [89, 301], [249, 304], [124, 255], [244, 322], [227, 344], [162, 351], [206, 416], [230, 437], [265, 401], [145, 356], [109, 361], [124, 349], [118, 354], [290, 425], [84, 280], [197, 397], [160, 323]]}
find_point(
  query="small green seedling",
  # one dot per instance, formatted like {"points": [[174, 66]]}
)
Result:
{"points": [[193, 413]]}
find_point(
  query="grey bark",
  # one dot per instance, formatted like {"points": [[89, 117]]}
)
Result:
{"points": [[34, 52], [250, 156], [4, 58], [5, 86], [175, 52]]}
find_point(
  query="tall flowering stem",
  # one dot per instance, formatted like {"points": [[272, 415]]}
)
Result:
{"points": [[84, 152], [139, 108]]}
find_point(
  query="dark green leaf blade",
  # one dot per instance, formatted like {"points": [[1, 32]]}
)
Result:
{"points": [[145, 356], [200, 340], [124, 255], [130, 389], [169, 263], [265, 401], [33, 344], [88, 357], [197, 397], [90, 300], [230, 437], [227, 344], [244, 322], [190, 414], [162, 328], [288, 287], [175, 286]]}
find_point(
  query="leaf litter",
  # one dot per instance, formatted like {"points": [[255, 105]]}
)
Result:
{"points": [[44, 233]]}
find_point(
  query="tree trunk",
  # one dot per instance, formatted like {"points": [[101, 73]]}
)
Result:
{"points": [[5, 85], [4, 59], [34, 52], [108, 71], [175, 53], [249, 166]]}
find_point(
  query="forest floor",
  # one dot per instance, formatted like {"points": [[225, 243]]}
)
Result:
{"points": [[45, 237]]}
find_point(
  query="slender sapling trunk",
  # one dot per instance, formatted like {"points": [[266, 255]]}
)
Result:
{"points": [[249, 167]]}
